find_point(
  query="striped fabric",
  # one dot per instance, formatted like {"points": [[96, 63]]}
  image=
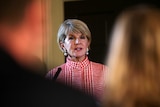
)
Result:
{"points": [[87, 76]]}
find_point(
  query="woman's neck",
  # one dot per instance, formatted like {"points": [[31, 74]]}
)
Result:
{"points": [[76, 59]]}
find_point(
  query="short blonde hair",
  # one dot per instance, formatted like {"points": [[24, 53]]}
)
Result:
{"points": [[72, 26]]}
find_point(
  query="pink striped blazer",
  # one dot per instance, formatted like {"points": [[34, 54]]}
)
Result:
{"points": [[87, 76]]}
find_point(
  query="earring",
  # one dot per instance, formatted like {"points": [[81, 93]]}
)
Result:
{"points": [[65, 52], [87, 52]]}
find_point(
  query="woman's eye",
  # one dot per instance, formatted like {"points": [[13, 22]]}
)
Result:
{"points": [[83, 37], [70, 38]]}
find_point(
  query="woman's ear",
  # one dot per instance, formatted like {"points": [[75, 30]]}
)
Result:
{"points": [[62, 45]]}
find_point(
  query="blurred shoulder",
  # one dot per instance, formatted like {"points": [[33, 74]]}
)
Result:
{"points": [[72, 97]]}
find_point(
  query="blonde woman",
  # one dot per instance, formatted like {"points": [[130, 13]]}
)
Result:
{"points": [[74, 39], [134, 59]]}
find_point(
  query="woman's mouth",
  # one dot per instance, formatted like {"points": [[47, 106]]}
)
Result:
{"points": [[78, 49]]}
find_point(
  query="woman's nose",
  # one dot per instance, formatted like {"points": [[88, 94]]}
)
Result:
{"points": [[77, 41]]}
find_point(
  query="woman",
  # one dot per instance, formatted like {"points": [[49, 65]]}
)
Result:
{"points": [[74, 39], [134, 60]]}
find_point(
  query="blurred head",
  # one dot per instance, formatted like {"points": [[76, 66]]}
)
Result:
{"points": [[21, 27], [74, 38], [134, 58]]}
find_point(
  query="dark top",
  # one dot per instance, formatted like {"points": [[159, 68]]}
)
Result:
{"points": [[20, 87]]}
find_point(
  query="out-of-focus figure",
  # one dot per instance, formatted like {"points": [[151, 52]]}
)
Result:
{"points": [[20, 39], [21, 31], [134, 59]]}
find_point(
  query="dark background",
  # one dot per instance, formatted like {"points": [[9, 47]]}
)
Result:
{"points": [[100, 16]]}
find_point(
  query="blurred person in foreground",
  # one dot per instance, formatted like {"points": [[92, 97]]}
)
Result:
{"points": [[74, 39], [20, 36], [134, 59]]}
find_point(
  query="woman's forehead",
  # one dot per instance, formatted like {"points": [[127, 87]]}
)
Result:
{"points": [[74, 34]]}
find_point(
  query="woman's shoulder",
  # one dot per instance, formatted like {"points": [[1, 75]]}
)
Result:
{"points": [[52, 72], [99, 65], [57, 67]]}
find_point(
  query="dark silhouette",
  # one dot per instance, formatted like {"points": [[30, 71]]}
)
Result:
{"points": [[21, 85]]}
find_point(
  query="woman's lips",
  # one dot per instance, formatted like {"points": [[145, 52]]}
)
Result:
{"points": [[78, 49]]}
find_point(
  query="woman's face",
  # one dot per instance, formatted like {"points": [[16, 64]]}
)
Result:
{"points": [[76, 45]]}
